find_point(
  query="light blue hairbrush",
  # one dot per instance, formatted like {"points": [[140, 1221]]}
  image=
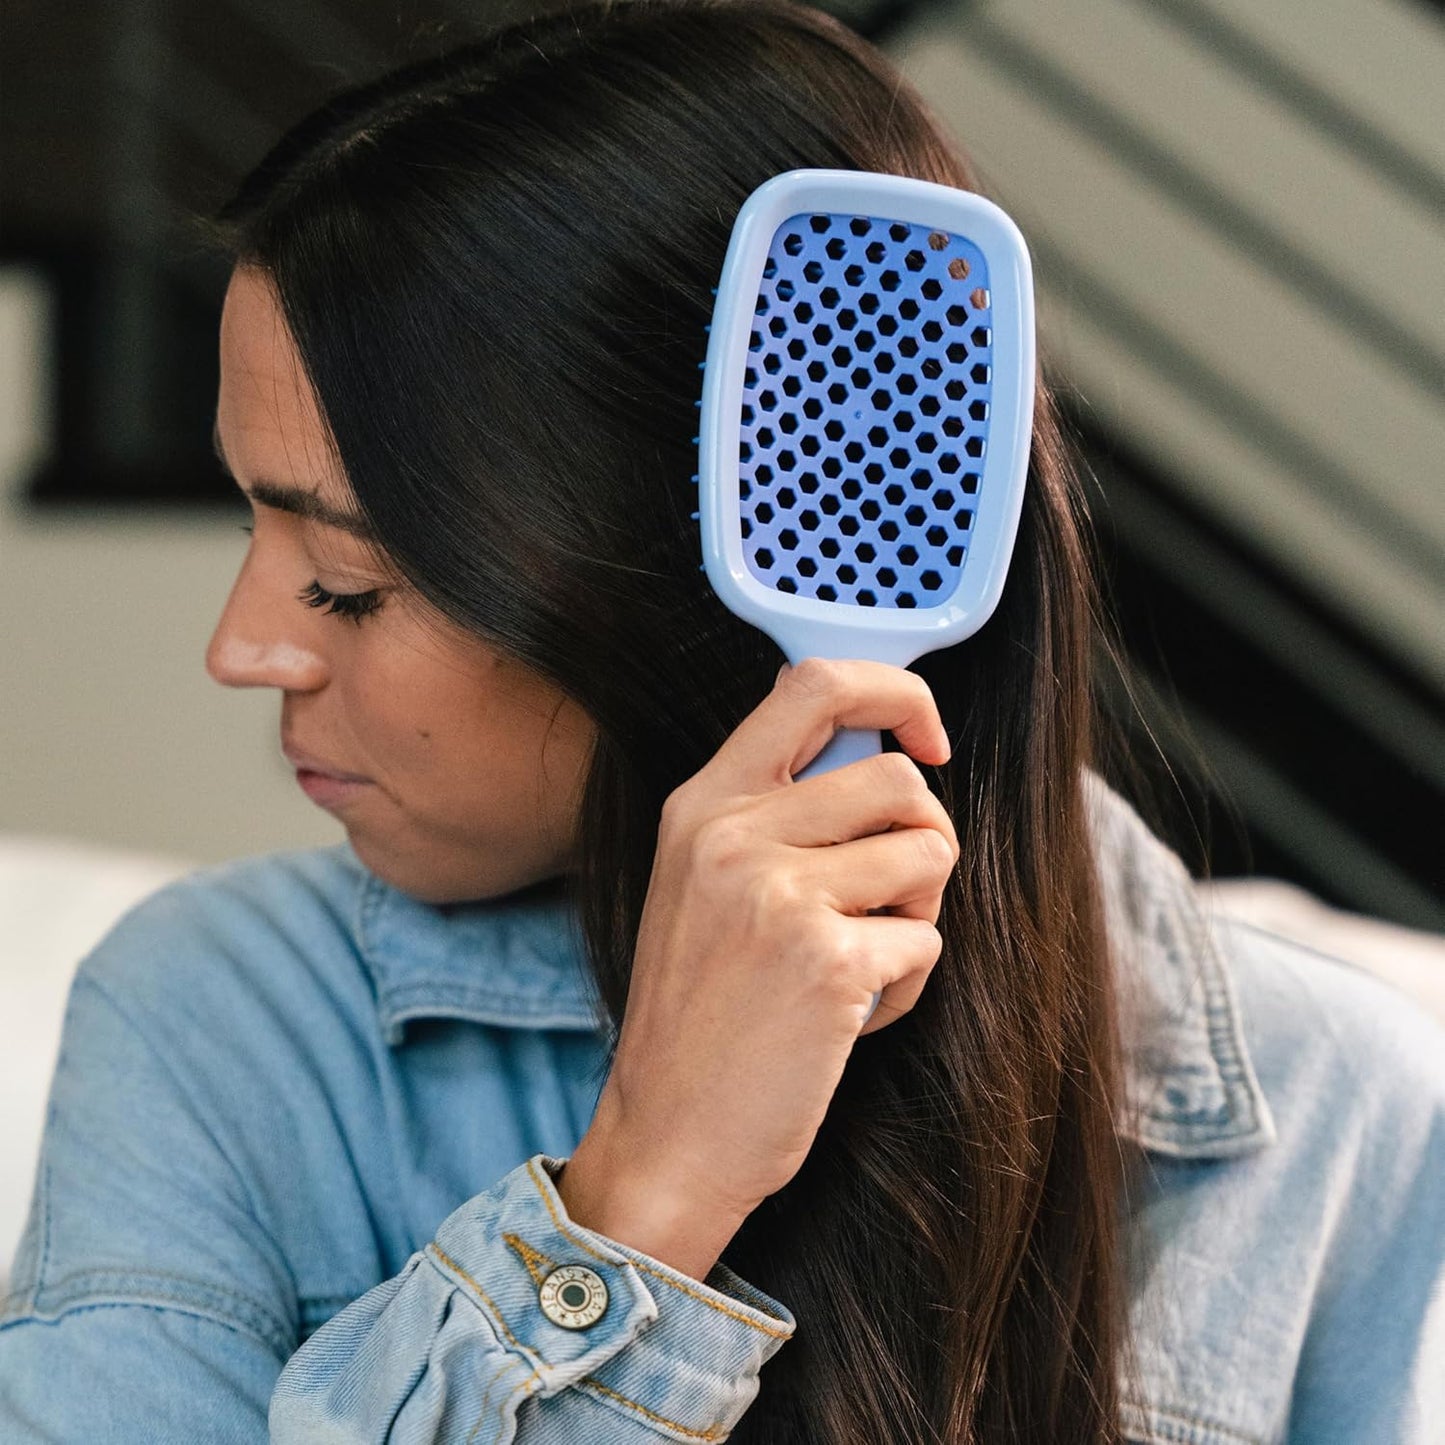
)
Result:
{"points": [[866, 414]]}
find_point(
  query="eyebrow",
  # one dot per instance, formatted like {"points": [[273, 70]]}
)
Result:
{"points": [[298, 500]]}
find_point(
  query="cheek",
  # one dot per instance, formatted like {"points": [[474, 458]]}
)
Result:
{"points": [[458, 739], [436, 728], [393, 704]]}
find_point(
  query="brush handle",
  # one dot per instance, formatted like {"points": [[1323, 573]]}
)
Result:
{"points": [[848, 745]]}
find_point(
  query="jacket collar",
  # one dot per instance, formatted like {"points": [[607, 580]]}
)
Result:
{"points": [[517, 963], [1190, 1088]]}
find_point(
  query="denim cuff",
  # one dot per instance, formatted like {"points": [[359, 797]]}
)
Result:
{"points": [[677, 1355]]}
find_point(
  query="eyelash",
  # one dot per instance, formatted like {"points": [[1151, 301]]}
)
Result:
{"points": [[351, 605], [354, 605]]}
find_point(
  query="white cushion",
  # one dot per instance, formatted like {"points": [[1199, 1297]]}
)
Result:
{"points": [[1413, 961]]}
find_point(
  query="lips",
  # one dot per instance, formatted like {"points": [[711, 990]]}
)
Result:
{"points": [[308, 763]]}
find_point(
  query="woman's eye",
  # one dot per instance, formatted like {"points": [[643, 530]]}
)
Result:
{"points": [[354, 605]]}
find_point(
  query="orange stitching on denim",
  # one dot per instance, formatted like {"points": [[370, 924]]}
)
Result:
{"points": [[451, 1264], [501, 1409], [447, 1260], [648, 1269], [712, 1434], [538, 1265], [562, 1228]]}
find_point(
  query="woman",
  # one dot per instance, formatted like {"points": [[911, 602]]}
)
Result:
{"points": [[544, 1108]]}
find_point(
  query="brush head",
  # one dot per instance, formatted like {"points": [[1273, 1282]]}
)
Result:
{"points": [[866, 414]]}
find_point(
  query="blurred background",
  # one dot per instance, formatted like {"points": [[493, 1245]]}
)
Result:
{"points": [[1237, 214], [1236, 210]]}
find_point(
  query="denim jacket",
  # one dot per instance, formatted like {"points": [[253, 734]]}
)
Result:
{"points": [[298, 1167]]}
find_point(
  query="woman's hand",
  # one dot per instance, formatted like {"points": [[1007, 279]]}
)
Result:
{"points": [[757, 957]]}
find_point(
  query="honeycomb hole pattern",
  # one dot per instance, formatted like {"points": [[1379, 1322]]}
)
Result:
{"points": [[865, 409]]}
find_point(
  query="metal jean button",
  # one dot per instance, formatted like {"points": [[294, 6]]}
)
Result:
{"points": [[573, 1296]]}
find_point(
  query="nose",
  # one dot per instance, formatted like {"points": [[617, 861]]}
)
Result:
{"points": [[265, 638]]}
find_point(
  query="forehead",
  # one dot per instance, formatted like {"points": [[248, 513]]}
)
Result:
{"points": [[266, 413]]}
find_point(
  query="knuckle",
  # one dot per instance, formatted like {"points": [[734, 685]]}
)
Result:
{"points": [[930, 943], [945, 826], [822, 939], [676, 810], [814, 677], [721, 844], [836, 954], [686, 812], [900, 773], [860, 957], [934, 850], [775, 892]]}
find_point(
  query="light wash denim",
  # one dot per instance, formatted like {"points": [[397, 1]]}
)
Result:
{"points": [[298, 1155]]}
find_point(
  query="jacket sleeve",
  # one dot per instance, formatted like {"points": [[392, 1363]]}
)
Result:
{"points": [[461, 1346], [147, 1302], [151, 1304], [1372, 1366], [456, 1348]]}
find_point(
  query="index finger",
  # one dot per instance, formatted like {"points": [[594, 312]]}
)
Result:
{"points": [[809, 703]]}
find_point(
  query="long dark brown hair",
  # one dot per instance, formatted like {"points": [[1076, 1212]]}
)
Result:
{"points": [[497, 267]]}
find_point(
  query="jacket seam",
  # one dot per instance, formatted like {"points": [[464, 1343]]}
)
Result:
{"points": [[567, 1234], [398, 1002], [368, 906], [398, 1006], [1242, 1112], [591, 1383], [446, 1259], [1183, 1426], [1195, 1130], [83, 1279], [526, 1388], [524, 1357], [1173, 902], [711, 1433], [263, 1330], [47, 1194]]}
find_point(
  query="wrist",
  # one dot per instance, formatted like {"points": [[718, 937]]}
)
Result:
{"points": [[616, 1194]]}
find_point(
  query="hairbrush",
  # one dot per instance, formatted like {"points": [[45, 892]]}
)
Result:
{"points": [[866, 416]]}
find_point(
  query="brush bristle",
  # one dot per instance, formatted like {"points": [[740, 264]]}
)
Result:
{"points": [[865, 411]]}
